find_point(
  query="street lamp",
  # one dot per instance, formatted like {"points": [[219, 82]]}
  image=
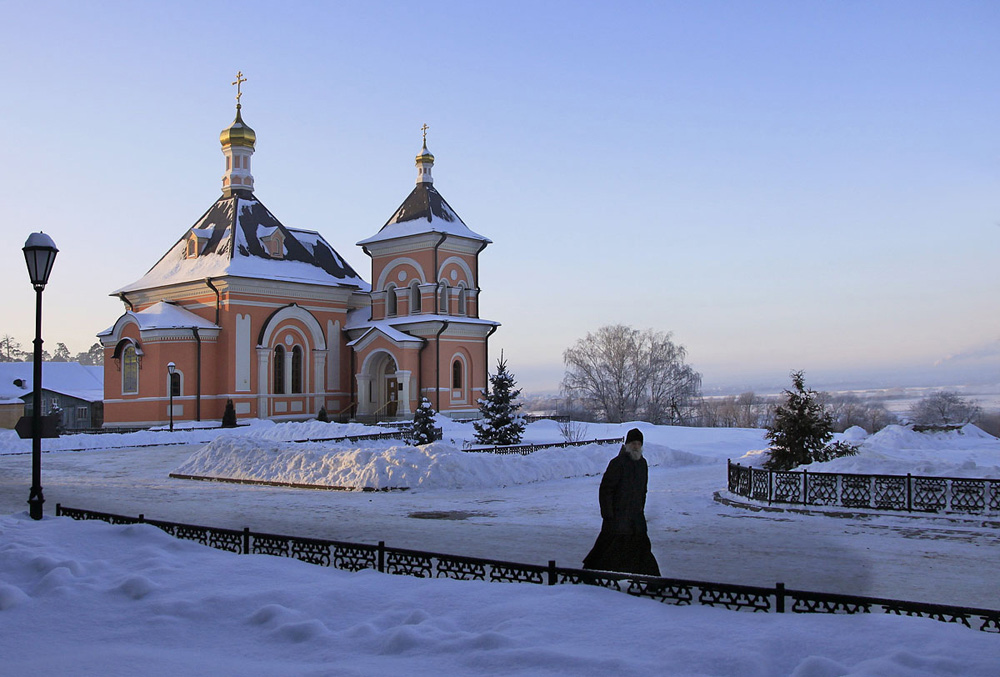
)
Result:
{"points": [[171, 368], [39, 253]]}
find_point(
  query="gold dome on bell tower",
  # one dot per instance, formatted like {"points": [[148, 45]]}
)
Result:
{"points": [[238, 133], [237, 145]]}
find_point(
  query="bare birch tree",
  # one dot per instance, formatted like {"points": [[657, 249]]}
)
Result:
{"points": [[623, 374]]}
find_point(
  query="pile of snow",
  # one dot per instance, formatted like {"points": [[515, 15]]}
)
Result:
{"points": [[141, 602], [188, 433], [898, 450], [390, 464]]}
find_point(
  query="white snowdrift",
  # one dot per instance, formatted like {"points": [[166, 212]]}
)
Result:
{"points": [[190, 433], [394, 465], [88, 598], [898, 450]]}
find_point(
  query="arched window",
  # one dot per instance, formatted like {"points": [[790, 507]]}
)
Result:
{"points": [[175, 384], [297, 369], [456, 375], [462, 299], [130, 370], [415, 298], [279, 370], [443, 308], [390, 300]]}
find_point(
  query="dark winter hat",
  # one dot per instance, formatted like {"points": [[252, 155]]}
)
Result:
{"points": [[634, 435]]}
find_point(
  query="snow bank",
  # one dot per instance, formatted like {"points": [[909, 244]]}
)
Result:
{"points": [[142, 602], [898, 450], [389, 464], [188, 433]]}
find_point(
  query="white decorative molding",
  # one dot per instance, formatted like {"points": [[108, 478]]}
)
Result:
{"points": [[461, 263], [294, 312], [263, 368], [333, 342], [395, 263], [243, 353]]}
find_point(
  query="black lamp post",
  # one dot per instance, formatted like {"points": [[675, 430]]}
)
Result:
{"points": [[171, 368], [39, 253]]}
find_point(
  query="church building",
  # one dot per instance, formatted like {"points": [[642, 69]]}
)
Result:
{"points": [[245, 308]]}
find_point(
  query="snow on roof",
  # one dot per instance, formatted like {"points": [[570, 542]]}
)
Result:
{"points": [[162, 315], [359, 319], [234, 227], [390, 333], [423, 211], [66, 378]]}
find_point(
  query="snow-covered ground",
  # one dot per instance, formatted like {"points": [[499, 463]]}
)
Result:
{"points": [[85, 598]]}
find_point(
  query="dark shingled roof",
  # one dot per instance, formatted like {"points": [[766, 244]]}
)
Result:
{"points": [[423, 202], [234, 226], [423, 211]]}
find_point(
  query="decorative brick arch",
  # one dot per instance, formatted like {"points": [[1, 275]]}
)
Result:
{"points": [[313, 370], [383, 278], [292, 312], [461, 263]]}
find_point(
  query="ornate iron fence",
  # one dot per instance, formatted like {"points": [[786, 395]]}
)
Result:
{"points": [[525, 449], [420, 564], [908, 493]]}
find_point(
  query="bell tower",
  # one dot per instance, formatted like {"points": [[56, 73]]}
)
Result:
{"points": [[238, 141]]}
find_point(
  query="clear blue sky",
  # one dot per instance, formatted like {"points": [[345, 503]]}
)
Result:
{"points": [[796, 185]]}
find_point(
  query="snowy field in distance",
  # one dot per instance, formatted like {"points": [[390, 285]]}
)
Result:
{"points": [[88, 598]]}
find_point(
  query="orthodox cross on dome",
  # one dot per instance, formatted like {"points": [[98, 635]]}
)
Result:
{"points": [[424, 161], [238, 82]]}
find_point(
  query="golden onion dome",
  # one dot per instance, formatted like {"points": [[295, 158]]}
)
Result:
{"points": [[238, 134], [425, 155]]}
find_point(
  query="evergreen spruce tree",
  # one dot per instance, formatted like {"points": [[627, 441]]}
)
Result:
{"points": [[423, 423], [500, 423], [801, 428], [322, 415], [229, 415]]}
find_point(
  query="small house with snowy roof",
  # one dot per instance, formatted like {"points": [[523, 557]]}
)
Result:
{"points": [[73, 389], [273, 318]]}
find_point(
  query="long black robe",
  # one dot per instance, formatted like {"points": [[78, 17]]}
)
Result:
{"points": [[623, 544]]}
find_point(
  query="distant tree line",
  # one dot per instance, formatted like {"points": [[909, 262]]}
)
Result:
{"points": [[12, 351], [618, 374]]}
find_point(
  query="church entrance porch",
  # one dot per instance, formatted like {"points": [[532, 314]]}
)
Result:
{"points": [[382, 389]]}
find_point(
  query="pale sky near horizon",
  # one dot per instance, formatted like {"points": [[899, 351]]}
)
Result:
{"points": [[783, 185]]}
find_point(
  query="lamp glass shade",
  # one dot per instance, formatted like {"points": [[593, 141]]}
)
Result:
{"points": [[39, 253], [171, 367]]}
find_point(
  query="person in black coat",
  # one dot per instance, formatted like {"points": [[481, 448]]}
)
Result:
{"points": [[623, 544]]}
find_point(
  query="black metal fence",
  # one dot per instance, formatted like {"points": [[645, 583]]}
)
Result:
{"points": [[401, 561], [525, 449], [908, 493]]}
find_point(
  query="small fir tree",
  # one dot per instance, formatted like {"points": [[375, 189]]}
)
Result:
{"points": [[229, 415], [423, 423], [801, 428], [322, 416], [500, 424]]}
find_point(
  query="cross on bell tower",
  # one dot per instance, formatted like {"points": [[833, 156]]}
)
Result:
{"points": [[425, 161], [238, 141]]}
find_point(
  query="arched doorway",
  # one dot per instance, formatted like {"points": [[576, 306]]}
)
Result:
{"points": [[381, 388]]}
